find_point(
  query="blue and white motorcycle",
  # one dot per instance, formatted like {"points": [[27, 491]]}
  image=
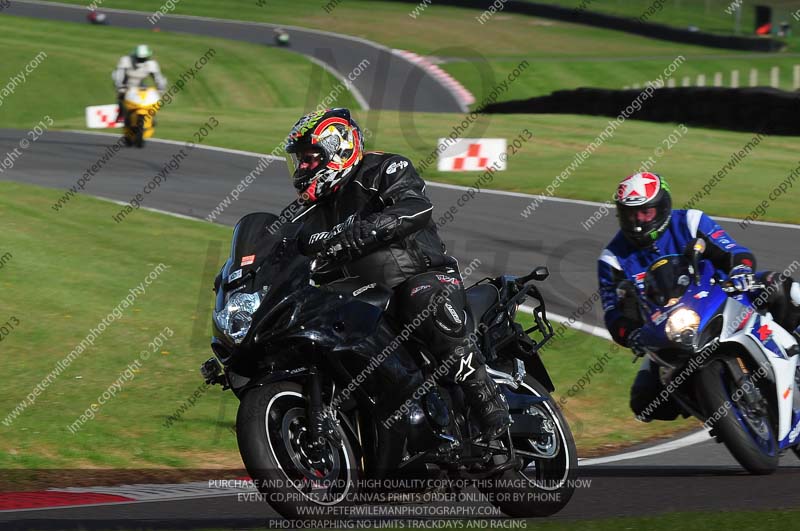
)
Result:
{"points": [[722, 359]]}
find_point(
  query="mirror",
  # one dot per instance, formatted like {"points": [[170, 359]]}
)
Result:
{"points": [[540, 273]]}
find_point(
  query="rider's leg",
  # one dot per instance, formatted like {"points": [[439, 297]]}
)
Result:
{"points": [[647, 401], [784, 300], [436, 301]]}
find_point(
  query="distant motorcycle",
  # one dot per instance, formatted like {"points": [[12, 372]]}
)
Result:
{"points": [[281, 38], [329, 395], [141, 105], [97, 18], [737, 364]]}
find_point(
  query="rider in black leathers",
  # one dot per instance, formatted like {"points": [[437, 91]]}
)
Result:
{"points": [[372, 207]]}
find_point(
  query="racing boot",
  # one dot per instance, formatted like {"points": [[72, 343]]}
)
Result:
{"points": [[488, 403]]}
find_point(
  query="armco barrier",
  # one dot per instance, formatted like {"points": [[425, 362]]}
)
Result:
{"points": [[628, 25], [766, 110]]}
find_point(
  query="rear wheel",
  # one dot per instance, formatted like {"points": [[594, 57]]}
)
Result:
{"points": [[545, 484], [741, 422], [272, 432]]}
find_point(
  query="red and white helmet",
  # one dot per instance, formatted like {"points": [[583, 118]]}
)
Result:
{"points": [[323, 148], [644, 207]]}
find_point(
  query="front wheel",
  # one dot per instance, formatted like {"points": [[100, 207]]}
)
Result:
{"points": [[139, 132], [272, 432], [544, 485], [742, 424]]}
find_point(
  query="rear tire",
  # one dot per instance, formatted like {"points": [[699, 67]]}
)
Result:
{"points": [[544, 486], [270, 429], [732, 428]]}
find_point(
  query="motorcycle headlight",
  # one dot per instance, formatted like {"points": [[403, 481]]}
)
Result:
{"points": [[237, 315], [682, 325]]}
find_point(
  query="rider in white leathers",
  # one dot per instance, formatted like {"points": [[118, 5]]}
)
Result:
{"points": [[132, 70]]}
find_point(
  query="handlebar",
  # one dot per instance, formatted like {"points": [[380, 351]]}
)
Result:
{"points": [[539, 274], [727, 286], [331, 255]]}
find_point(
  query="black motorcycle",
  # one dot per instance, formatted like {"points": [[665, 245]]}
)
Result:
{"points": [[337, 402]]}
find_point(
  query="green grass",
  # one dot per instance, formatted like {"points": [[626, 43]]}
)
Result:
{"points": [[67, 273], [697, 156], [239, 78], [604, 395], [439, 30], [70, 271], [256, 116], [701, 521], [561, 55], [543, 77], [707, 15]]}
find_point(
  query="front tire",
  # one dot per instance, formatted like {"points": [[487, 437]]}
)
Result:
{"points": [[139, 131], [271, 427], [749, 438], [543, 486]]}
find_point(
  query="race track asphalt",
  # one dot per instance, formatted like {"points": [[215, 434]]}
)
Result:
{"points": [[387, 81], [489, 228], [700, 477]]}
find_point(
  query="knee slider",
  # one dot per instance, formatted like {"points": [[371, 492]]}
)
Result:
{"points": [[447, 319]]}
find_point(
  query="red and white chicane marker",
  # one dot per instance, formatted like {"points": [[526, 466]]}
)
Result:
{"points": [[82, 496], [472, 154], [102, 116], [463, 95]]}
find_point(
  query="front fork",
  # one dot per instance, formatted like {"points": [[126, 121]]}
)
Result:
{"points": [[744, 380], [322, 424]]}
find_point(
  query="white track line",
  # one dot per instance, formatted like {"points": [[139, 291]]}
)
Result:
{"points": [[590, 329], [435, 184], [596, 331], [689, 440]]}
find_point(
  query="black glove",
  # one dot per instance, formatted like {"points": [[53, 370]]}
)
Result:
{"points": [[349, 237], [383, 226], [636, 344], [355, 235]]}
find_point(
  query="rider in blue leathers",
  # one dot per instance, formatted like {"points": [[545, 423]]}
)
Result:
{"points": [[649, 228]]}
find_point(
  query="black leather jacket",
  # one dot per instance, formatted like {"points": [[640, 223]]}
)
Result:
{"points": [[389, 184]]}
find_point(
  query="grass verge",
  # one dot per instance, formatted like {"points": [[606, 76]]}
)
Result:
{"points": [[253, 92], [562, 55], [64, 278], [239, 78]]}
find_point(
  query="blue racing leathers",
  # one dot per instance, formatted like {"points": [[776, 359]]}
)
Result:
{"points": [[621, 260]]}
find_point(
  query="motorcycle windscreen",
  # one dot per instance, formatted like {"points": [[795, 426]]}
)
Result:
{"points": [[667, 280], [257, 257], [254, 238]]}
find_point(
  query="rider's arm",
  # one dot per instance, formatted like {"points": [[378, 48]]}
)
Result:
{"points": [[401, 192], [610, 274], [158, 77], [721, 249], [120, 72]]}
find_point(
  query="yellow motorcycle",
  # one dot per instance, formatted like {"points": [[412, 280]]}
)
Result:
{"points": [[141, 105]]}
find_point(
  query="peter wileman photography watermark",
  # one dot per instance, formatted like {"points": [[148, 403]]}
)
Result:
{"points": [[21, 77], [171, 165], [10, 159], [125, 376], [605, 135], [94, 333]]}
